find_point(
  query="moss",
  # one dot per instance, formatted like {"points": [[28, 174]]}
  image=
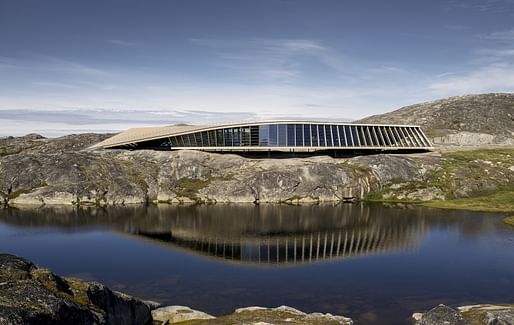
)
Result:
{"points": [[502, 201], [509, 220], [189, 187]]}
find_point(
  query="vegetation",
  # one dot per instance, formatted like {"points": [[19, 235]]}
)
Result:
{"points": [[502, 201]]}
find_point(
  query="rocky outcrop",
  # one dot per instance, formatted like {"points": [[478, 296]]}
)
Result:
{"points": [[248, 315], [471, 120], [38, 171], [467, 315], [31, 295]]}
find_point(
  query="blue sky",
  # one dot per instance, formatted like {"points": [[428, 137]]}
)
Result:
{"points": [[106, 65]]}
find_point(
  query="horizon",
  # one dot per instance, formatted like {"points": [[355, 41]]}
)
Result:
{"points": [[103, 67]]}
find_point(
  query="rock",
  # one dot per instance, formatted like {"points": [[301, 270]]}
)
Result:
{"points": [[489, 314], [31, 295], [470, 120], [176, 314], [441, 315], [278, 315]]}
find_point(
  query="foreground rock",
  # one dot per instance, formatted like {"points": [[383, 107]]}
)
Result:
{"points": [[467, 315], [249, 315], [31, 295]]}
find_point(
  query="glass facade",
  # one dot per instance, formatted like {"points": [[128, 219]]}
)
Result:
{"points": [[306, 135]]}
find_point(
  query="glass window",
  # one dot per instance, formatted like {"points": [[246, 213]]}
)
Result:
{"points": [[237, 137], [291, 135], [282, 135], [254, 135], [299, 135], [273, 135], [335, 137], [307, 135], [342, 138], [205, 140], [321, 133], [314, 135], [245, 136], [355, 135], [328, 135], [227, 135]]}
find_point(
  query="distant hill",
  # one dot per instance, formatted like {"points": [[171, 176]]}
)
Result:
{"points": [[464, 120]]}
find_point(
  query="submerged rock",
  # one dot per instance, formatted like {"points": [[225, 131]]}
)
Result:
{"points": [[30, 295]]}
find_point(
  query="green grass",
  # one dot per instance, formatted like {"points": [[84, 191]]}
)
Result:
{"points": [[502, 201]]}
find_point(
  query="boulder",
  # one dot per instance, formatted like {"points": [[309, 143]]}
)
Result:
{"points": [[32, 295]]}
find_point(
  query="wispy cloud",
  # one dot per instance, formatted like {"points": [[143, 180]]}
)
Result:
{"points": [[275, 59], [505, 35], [125, 43]]}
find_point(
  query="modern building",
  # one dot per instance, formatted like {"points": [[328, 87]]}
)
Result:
{"points": [[278, 136]]}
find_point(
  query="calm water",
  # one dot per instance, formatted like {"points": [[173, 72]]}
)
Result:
{"points": [[373, 263]]}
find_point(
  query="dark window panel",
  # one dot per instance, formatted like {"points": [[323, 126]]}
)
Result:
{"points": [[282, 135], [291, 135], [273, 135], [335, 136], [328, 135], [307, 135], [299, 135], [314, 135], [355, 136], [321, 133], [254, 135]]}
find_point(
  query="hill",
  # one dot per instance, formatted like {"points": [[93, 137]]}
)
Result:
{"points": [[486, 119]]}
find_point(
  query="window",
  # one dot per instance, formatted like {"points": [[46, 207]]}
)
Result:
{"points": [[321, 133], [299, 135], [282, 135], [307, 135], [314, 135], [290, 135], [328, 136], [273, 135]]}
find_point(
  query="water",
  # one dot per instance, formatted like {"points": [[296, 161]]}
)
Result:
{"points": [[374, 263]]}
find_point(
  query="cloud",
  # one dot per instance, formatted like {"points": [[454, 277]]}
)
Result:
{"points": [[506, 35], [274, 59], [124, 43], [496, 77]]}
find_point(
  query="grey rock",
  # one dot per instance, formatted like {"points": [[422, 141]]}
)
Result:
{"points": [[470, 120], [31, 295], [442, 315]]}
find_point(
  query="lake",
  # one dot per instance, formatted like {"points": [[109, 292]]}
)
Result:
{"points": [[371, 262]]}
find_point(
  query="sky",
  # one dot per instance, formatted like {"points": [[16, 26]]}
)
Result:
{"points": [[70, 66]]}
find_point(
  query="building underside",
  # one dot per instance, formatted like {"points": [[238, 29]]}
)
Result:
{"points": [[277, 136]]}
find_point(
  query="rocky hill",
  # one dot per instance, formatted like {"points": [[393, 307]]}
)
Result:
{"points": [[35, 170], [465, 120]]}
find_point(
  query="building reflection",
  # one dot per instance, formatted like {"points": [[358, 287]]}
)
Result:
{"points": [[280, 235], [248, 234]]}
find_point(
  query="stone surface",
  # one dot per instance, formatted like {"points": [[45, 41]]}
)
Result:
{"points": [[279, 315], [176, 314], [488, 314], [30, 295], [442, 315], [472, 120]]}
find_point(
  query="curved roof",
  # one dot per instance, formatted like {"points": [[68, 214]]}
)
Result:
{"points": [[134, 135]]}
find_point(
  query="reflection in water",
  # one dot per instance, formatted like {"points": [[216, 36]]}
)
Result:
{"points": [[266, 234], [451, 257]]}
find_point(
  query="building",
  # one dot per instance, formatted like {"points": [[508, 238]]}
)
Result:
{"points": [[274, 136]]}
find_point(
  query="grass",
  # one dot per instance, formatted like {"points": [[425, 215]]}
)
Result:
{"points": [[189, 187], [502, 201]]}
